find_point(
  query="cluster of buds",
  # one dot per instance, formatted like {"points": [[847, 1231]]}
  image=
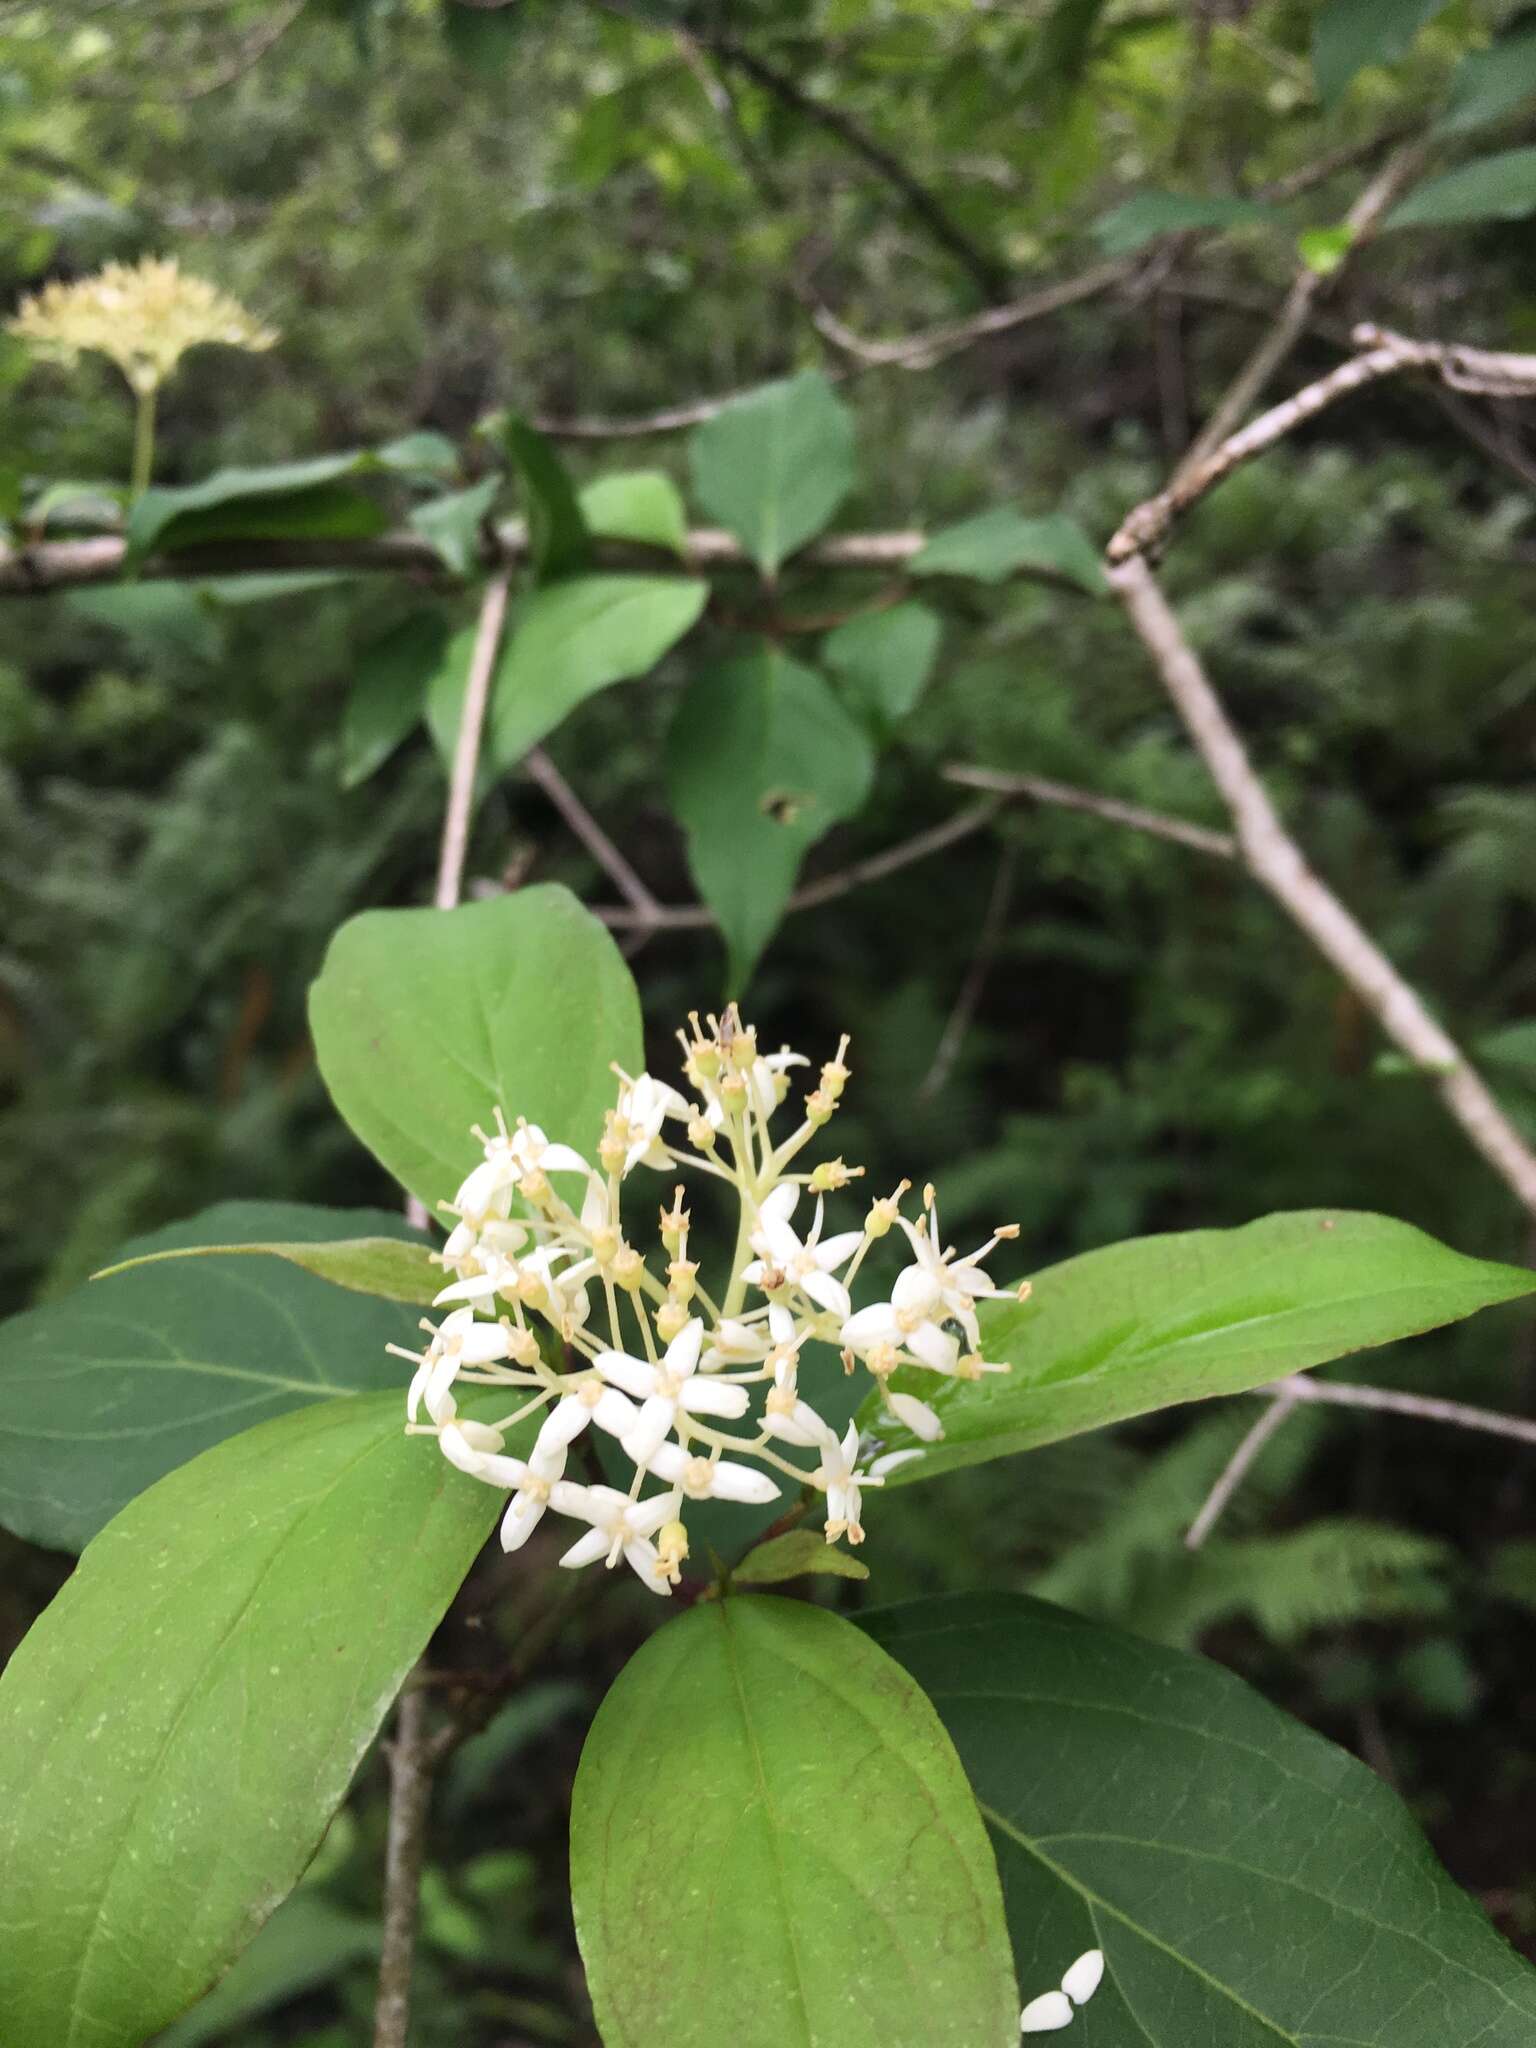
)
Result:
{"points": [[543, 1271], [145, 316]]}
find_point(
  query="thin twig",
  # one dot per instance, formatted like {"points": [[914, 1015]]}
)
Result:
{"points": [[466, 749], [1276, 862], [590, 833], [1068, 797], [411, 1761], [1387, 1400], [1236, 1469], [972, 987], [929, 345]]}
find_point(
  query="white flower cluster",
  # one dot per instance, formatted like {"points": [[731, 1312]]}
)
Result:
{"points": [[1053, 2010], [531, 1257]]}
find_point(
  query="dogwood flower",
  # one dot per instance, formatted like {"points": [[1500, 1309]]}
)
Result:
{"points": [[941, 1285], [458, 1341], [592, 1402], [922, 1420], [808, 1264], [620, 1527], [644, 1105], [837, 1474], [675, 1383], [711, 1478]]}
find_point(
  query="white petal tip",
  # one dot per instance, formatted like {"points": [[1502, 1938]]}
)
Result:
{"points": [[1085, 1976], [1047, 2014]]}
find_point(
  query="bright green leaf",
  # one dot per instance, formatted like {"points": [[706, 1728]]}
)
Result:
{"points": [[885, 659], [797, 1554], [422, 454], [557, 532], [1325, 249], [179, 1727], [775, 465], [998, 544], [1491, 188], [288, 500], [761, 761], [1249, 1884], [1347, 35], [454, 524], [637, 504], [389, 687], [426, 1020], [772, 1845], [1135, 222], [108, 1388], [1488, 84], [1159, 1320], [391, 1268], [572, 639]]}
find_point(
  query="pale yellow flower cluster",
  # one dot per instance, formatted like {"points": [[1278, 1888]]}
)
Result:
{"points": [[145, 316]]}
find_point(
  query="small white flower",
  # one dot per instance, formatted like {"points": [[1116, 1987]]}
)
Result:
{"points": [[473, 1447], [836, 1473], [1047, 2014], [592, 1402], [940, 1284], [675, 1383], [458, 1341], [763, 1077], [891, 1462], [711, 1478], [1085, 1976], [644, 1105], [904, 1328], [916, 1415], [808, 1264], [620, 1526]]}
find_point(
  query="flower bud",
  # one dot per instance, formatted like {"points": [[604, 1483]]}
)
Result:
{"points": [[671, 1320], [819, 1106], [671, 1549], [682, 1276], [628, 1269], [832, 1175], [702, 1135]]}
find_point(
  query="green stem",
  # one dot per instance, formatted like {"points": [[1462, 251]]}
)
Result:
{"points": [[143, 442]]}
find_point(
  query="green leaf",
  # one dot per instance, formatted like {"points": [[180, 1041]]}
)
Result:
{"points": [[1135, 222], [885, 659], [455, 524], [637, 504], [421, 454], [1159, 1320], [1488, 84], [157, 617], [110, 1387], [773, 1845], [179, 1727], [998, 544], [286, 501], [775, 465], [573, 639], [1249, 1884], [1512, 1046], [426, 1020], [797, 1554], [1490, 188], [1347, 35], [389, 1268], [482, 37], [761, 761], [557, 532], [306, 1942], [1324, 249], [389, 686]]}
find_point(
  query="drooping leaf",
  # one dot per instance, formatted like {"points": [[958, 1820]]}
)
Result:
{"points": [[421, 454], [885, 659], [308, 1941], [1135, 222], [284, 501], [636, 504], [998, 544], [426, 1020], [1160, 1320], [775, 465], [1499, 187], [1248, 1883], [390, 1268], [761, 761], [772, 1845], [454, 524], [797, 1554], [557, 532], [574, 638], [178, 1728], [108, 1388], [1488, 84], [389, 687], [1347, 35]]}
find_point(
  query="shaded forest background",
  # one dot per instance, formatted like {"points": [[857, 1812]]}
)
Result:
{"points": [[593, 211]]}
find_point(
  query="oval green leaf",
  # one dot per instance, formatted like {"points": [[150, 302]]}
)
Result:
{"points": [[1159, 1320], [110, 1387], [1248, 1883], [775, 465], [773, 1845], [178, 1728], [425, 1020], [393, 1269]]}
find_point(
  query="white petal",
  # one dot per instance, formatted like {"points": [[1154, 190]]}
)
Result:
{"points": [[742, 1482], [457, 1449], [632, 1374], [710, 1397], [917, 1416], [867, 1327], [485, 1344], [833, 1252], [780, 1203], [827, 1293], [479, 1288], [779, 1241], [460, 1241], [1047, 2014], [523, 1516], [642, 1560], [1084, 1977], [561, 1159], [682, 1355], [547, 1464], [567, 1498], [490, 1179], [938, 1349], [594, 1545], [753, 1273], [892, 1462], [646, 1434], [802, 1427], [614, 1413], [917, 1290], [561, 1426]]}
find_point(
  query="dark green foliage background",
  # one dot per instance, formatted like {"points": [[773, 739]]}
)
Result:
{"points": [[542, 208]]}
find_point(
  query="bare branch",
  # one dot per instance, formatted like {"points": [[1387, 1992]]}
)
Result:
{"points": [[929, 345], [1236, 1468], [1388, 1401], [411, 1760], [973, 986], [591, 834], [1066, 796], [1275, 861], [466, 748]]}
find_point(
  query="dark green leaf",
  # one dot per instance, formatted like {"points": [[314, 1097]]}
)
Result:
{"points": [[772, 1845], [1347, 35], [557, 533], [110, 1387], [637, 504], [391, 1268], [289, 500], [1159, 1320], [1512, 1046], [1249, 1884], [426, 1020], [797, 1554], [998, 544], [481, 36], [1135, 222], [572, 639], [775, 465], [1491, 188], [455, 524], [1488, 84], [307, 1942], [389, 686], [761, 761], [885, 660], [158, 617], [179, 1727]]}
